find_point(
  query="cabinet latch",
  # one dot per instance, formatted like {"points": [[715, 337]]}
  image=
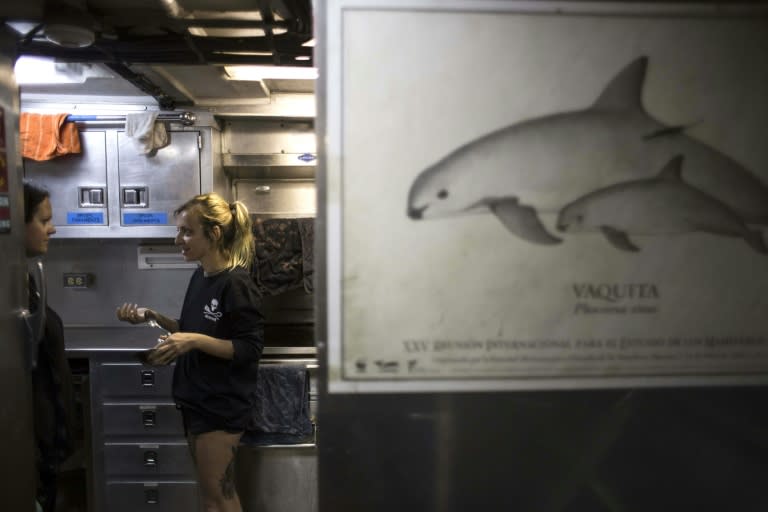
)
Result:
{"points": [[91, 197], [150, 458], [147, 378], [151, 496], [149, 418], [134, 197]]}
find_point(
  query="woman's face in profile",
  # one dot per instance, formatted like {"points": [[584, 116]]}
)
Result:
{"points": [[39, 229], [191, 237]]}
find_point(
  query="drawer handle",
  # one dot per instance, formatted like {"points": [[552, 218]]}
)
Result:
{"points": [[149, 418], [150, 459], [151, 496], [147, 378]]}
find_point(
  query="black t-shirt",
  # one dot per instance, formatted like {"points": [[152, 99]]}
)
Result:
{"points": [[224, 306]]}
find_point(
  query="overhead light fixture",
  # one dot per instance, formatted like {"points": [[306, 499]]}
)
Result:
{"points": [[256, 73], [175, 10], [42, 70], [226, 32], [310, 43], [302, 57], [244, 54]]}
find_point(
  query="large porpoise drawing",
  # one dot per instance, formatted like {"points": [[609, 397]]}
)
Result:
{"points": [[539, 165], [664, 204]]}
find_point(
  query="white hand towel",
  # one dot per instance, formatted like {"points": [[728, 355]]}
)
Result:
{"points": [[146, 133]]}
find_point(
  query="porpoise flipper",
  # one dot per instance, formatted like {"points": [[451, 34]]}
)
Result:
{"points": [[522, 221], [667, 131], [619, 239]]}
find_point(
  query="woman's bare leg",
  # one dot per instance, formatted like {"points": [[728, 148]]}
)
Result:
{"points": [[214, 456]]}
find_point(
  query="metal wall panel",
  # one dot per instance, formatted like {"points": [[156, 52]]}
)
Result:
{"points": [[544, 451], [17, 477]]}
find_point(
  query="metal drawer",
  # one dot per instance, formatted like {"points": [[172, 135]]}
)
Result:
{"points": [[151, 496], [141, 420], [279, 198], [134, 380], [148, 460]]}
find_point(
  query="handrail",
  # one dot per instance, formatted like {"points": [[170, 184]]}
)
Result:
{"points": [[186, 118]]}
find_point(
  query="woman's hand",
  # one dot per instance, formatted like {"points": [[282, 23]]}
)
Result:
{"points": [[132, 313], [172, 346]]}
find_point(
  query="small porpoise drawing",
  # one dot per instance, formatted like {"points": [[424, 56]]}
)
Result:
{"points": [[661, 205], [538, 165]]}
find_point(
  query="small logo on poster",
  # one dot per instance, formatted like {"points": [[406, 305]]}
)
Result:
{"points": [[387, 366]]}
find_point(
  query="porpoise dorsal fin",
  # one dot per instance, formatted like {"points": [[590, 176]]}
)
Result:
{"points": [[625, 90], [523, 221], [618, 239], [672, 171]]}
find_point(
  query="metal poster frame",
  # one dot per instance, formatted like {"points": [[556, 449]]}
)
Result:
{"points": [[333, 302]]}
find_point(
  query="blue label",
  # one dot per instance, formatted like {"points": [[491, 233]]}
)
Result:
{"points": [[85, 218], [307, 157], [143, 219]]}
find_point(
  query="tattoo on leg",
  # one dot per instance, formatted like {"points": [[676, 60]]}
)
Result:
{"points": [[191, 440], [227, 481]]}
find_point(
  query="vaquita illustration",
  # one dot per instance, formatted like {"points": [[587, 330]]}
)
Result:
{"points": [[655, 206], [539, 165]]}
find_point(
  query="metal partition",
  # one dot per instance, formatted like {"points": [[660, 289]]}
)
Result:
{"points": [[391, 440]]}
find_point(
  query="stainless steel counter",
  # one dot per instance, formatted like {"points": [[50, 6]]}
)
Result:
{"points": [[99, 339], [92, 340]]}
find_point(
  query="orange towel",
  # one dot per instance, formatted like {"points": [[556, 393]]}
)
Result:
{"points": [[45, 136]]}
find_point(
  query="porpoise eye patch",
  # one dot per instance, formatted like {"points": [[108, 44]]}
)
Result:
{"points": [[442, 194]]}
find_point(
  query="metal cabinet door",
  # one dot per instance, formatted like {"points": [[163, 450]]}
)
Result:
{"points": [[152, 186], [277, 479], [277, 198], [77, 183]]}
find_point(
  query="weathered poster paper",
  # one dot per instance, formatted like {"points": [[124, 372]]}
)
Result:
{"points": [[542, 201]]}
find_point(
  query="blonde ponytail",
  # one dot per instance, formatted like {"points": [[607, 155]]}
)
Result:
{"points": [[236, 242]]}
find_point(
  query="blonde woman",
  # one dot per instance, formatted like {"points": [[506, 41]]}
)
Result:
{"points": [[216, 343]]}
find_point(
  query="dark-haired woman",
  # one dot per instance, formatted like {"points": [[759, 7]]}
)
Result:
{"points": [[51, 378]]}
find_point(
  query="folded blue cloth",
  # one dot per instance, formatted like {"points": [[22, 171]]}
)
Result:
{"points": [[281, 412]]}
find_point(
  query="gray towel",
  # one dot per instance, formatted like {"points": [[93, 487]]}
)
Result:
{"points": [[281, 413], [146, 133]]}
